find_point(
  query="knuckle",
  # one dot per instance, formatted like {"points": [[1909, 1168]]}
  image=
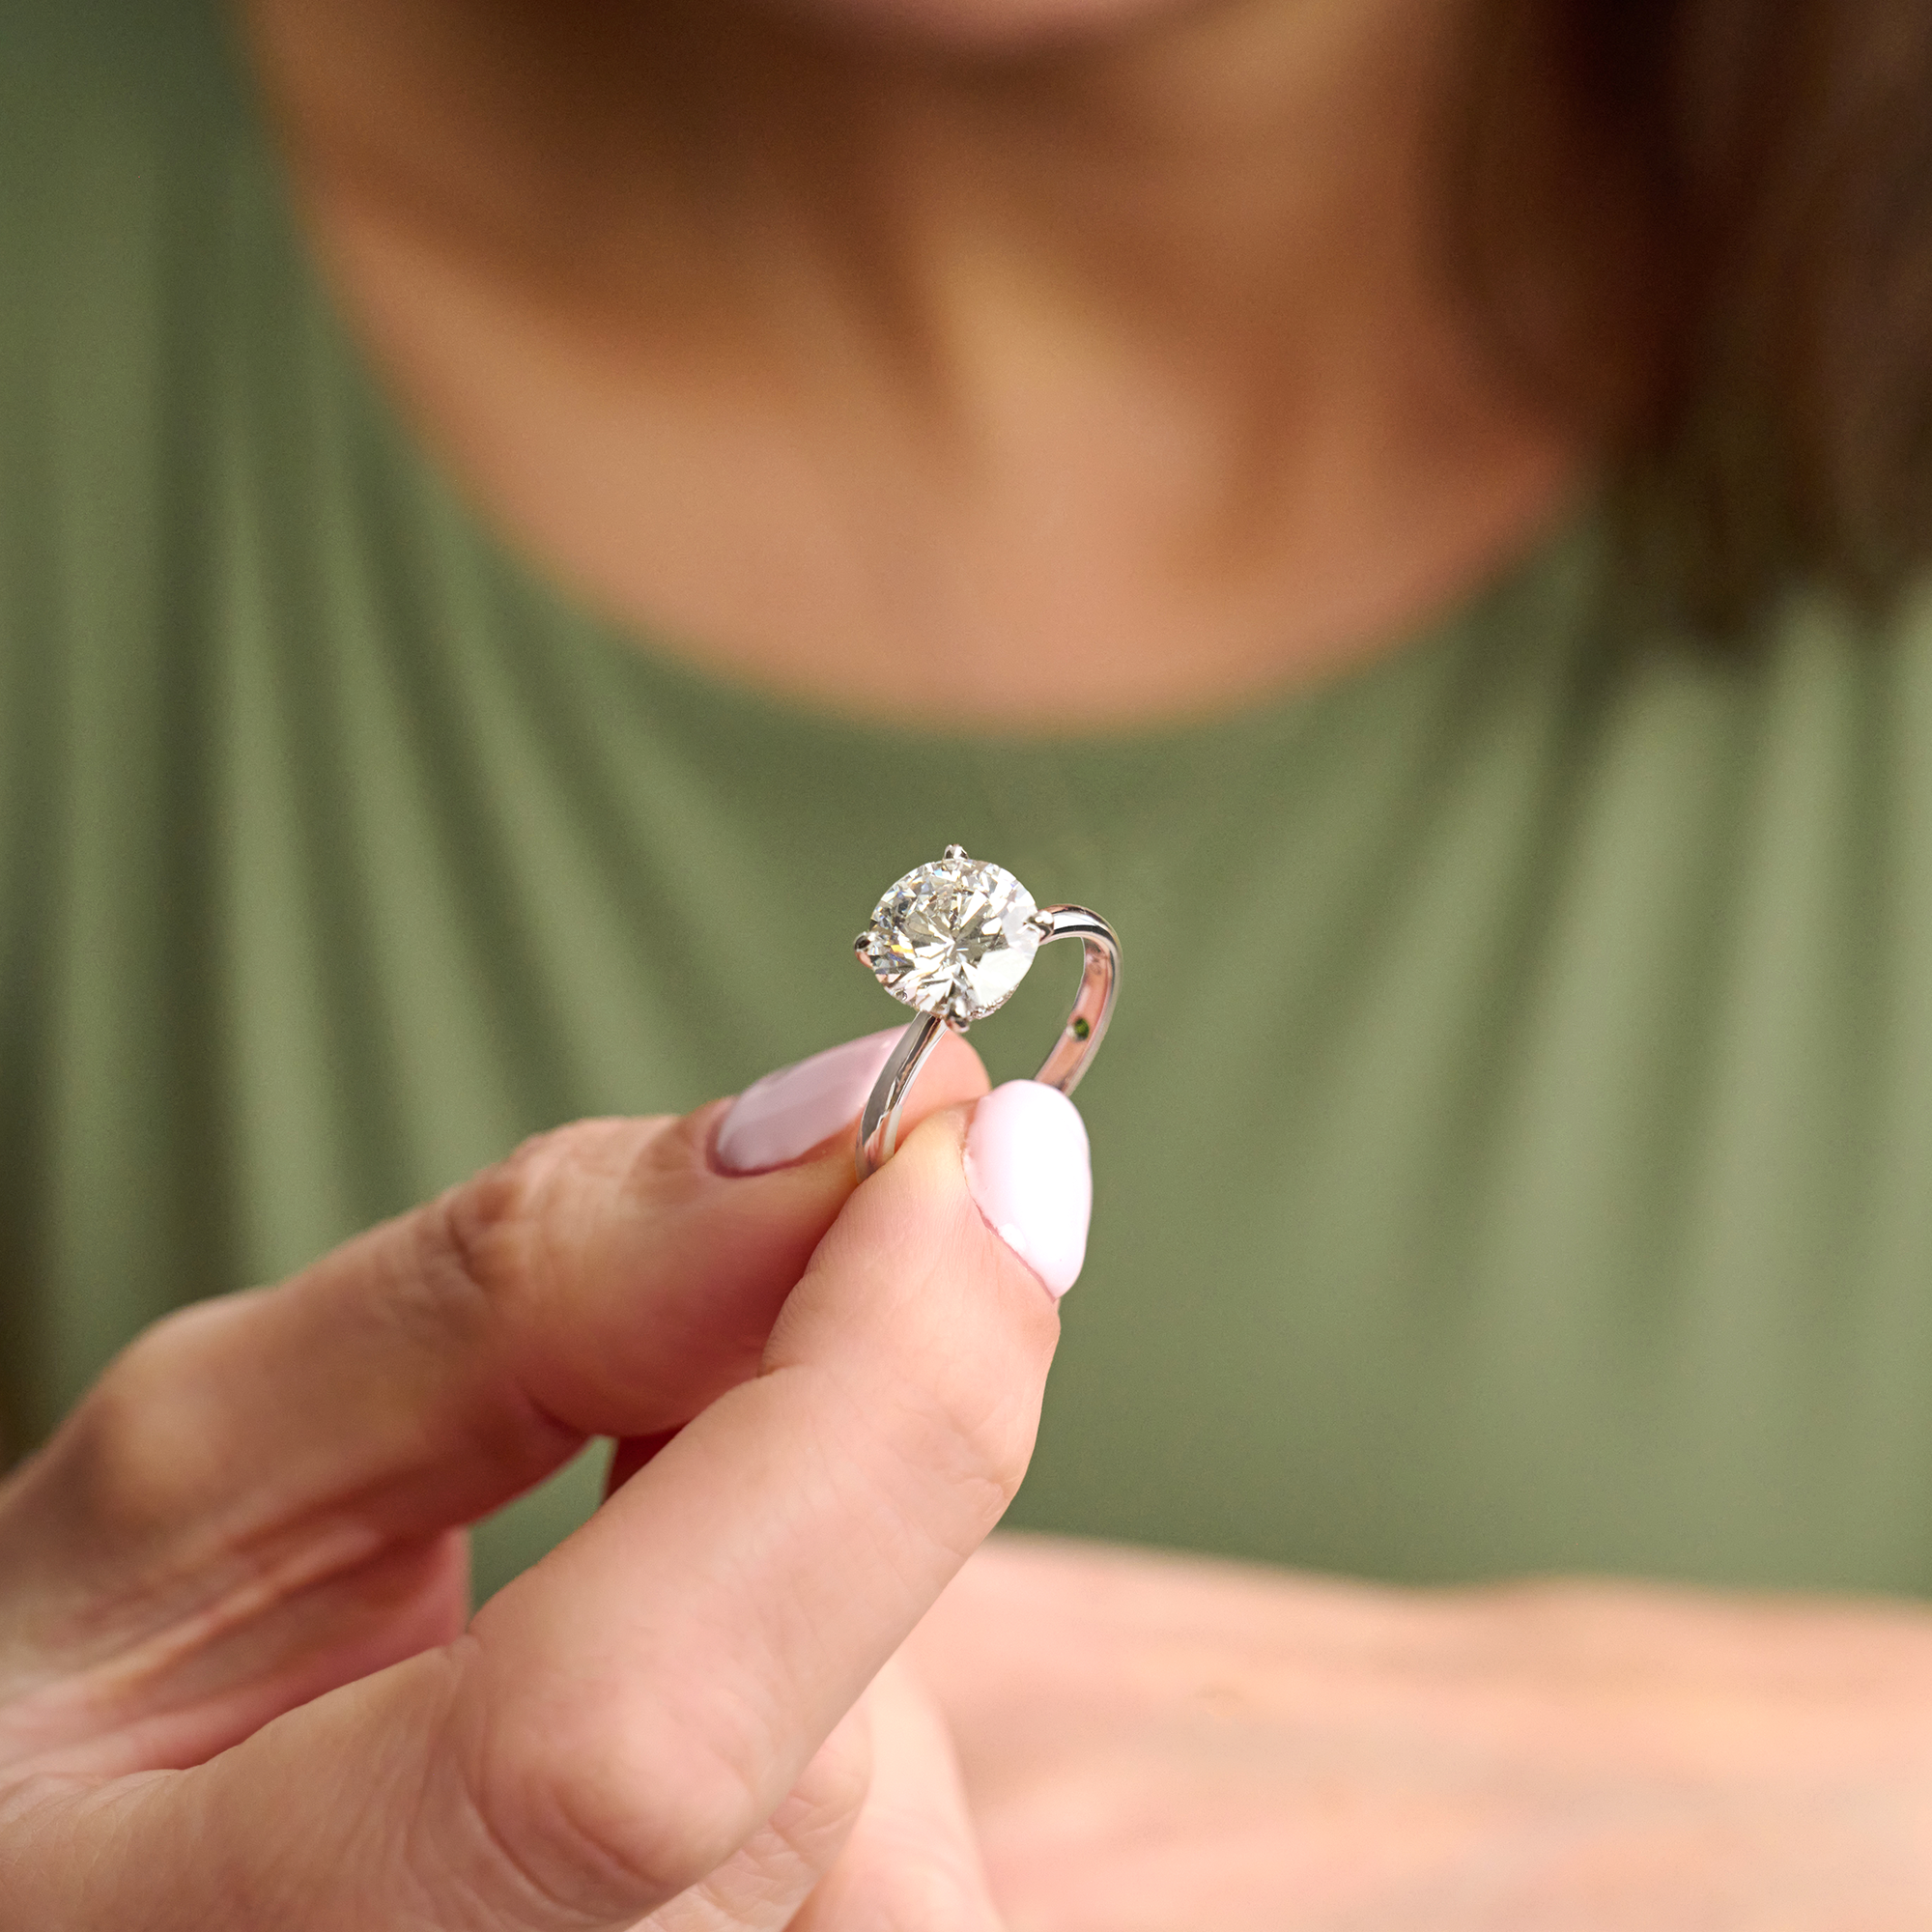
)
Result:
{"points": [[136, 1457], [484, 1236], [507, 1232], [596, 1820]]}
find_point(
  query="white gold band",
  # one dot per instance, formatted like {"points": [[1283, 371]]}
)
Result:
{"points": [[1065, 1064]]}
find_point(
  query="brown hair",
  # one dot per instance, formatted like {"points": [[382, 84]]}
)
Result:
{"points": [[1705, 227]]}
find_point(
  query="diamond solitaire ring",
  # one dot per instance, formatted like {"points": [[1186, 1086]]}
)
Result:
{"points": [[953, 940]]}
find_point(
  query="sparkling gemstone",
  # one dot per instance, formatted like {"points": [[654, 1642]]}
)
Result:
{"points": [[953, 935]]}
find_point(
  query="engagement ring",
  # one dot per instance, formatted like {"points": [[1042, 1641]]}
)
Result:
{"points": [[955, 939]]}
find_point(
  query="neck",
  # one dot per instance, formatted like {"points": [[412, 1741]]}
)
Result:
{"points": [[1084, 385]]}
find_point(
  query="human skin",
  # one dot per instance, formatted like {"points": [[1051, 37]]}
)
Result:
{"points": [[1050, 363], [1055, 387], [1153, 1743], [239, 1683]]}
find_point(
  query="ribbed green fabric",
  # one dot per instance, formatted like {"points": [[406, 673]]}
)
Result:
{"points": [[1514, 1148]]}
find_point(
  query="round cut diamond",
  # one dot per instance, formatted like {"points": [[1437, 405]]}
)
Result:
{"points": [[956, 936]]}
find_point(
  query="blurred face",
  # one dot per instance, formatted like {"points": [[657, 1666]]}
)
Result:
{"points": [[982, 26]]}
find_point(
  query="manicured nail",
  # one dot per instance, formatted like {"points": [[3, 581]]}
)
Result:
{"points": [[788, 1113], [1027, 1166]]}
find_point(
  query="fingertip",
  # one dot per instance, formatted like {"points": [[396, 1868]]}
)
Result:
{"points": [[1027, 1170], [794, 1111], [809, 1111]]}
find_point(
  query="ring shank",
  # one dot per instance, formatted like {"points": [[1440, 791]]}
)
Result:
{"points": [[1064, 1065]]}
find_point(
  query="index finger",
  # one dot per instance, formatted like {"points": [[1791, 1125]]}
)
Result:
{"points": [[610, 1278]]}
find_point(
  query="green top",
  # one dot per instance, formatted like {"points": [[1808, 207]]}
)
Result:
{"points": [[1512, 1152]]}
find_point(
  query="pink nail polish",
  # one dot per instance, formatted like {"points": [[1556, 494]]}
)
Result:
{"points": [[788, 1113], [1027, 1167]]}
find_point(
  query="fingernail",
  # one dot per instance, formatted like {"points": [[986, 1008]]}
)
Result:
{"points": [[1027, 1167], [788, 1113]]}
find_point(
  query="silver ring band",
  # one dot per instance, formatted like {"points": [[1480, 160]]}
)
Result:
{"points": [[1063, 1067]]}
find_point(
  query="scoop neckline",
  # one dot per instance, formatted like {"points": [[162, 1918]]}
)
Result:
{"points": [[645, 651]]}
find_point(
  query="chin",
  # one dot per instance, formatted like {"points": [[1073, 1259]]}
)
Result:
{"points": [[975, 26]]}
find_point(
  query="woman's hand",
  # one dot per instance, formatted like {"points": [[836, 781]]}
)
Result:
{"points": [[1152, 1743], [236, 1686]]}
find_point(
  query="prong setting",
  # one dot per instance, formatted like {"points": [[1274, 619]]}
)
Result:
{"points": [[954, 938]]}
